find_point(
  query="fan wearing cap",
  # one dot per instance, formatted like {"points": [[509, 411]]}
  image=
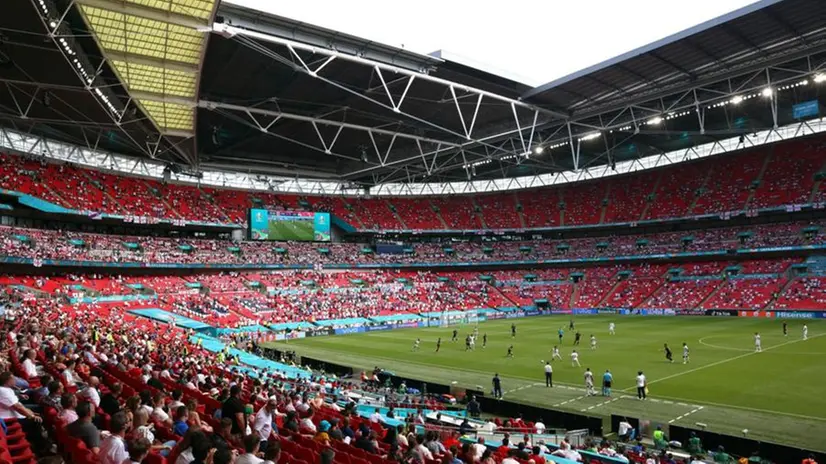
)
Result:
{"points": [[322, 436]]}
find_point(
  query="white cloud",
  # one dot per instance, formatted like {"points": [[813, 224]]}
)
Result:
{"points": [[532, 40]]}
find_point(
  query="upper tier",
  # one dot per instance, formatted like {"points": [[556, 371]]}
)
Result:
{"points": [[753, 179]]}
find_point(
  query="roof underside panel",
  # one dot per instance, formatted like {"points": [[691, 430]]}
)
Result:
{"points": [[155, 48]]}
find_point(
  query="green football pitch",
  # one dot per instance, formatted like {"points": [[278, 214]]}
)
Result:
{"points": [[777, 395], [291, 230]]}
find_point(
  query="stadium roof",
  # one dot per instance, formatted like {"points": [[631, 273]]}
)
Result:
{"points": [[222, 87]]}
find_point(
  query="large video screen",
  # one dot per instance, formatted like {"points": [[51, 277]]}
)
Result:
{"points": [[289, 225]]}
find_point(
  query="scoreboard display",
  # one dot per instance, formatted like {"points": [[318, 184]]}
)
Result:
{"points": [[303, 226]]}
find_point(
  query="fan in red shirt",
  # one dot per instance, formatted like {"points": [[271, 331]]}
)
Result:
{"points": [[505, 448]]}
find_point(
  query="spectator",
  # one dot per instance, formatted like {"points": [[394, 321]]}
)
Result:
{"points": [[322, 436], [307, 424], [91, 391], [233, 409], [327, 456], [84, 429], [68, 403], [53, 398], [29, 366], [109, 401], [265, 420], [273, 453], [138, 451], [252, 443], [113, 448], [180, 426]]}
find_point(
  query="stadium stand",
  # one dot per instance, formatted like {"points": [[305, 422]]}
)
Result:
{"points": [[754, 179]]}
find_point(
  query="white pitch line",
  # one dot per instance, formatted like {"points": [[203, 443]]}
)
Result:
{"points": [[600, 404], [570, 401], [685, 415], [727, 360]]}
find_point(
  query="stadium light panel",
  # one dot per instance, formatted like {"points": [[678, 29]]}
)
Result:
{"points": [[591, 136], [737, 100], [767, 92], [655, 121], [538, 150], [819, 78]]}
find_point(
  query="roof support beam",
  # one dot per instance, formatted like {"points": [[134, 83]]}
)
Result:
{"points": [[211, 105], [228, 30]]}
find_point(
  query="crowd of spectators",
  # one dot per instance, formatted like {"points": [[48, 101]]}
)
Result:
{"points": [[52, 244], [753, 179]]}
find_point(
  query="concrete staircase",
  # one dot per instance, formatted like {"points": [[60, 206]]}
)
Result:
{"points": [[62, 200], [112, 199], [702, 186], [647, 207], [816, 186], [438, 215], [561, 211], [503, 295], [478, 215], [711, 294], [773, 299], [359, 222], [518, 212], [610, 292], [574, 295], [759, 179], [392, 209], [603, 208], [215, 203], [159, 196]]}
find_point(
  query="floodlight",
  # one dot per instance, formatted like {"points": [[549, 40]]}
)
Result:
{"points": [[655, 121], [737, 100], [819, 78], [539, 149], [767, 92]]}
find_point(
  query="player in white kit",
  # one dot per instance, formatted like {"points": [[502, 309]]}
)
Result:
{"points": [[589, 382], [593, 342], [416, 345], [556, 354], [805, 332], [611, 327], [686, 358], [758, 346], [575, 359]]}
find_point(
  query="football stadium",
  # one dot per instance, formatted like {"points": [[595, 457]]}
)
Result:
{"points": [[230, 236]]}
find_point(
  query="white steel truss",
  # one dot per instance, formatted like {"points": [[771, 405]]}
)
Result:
{"points": [[466, 138], [91, 156]]}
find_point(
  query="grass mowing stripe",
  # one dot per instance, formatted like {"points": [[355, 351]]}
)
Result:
{"points": [[732, 393], [727, 360]]}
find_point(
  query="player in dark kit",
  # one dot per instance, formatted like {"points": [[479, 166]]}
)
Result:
{"points": [[484, 340], [577, 336], [510, 352], [513, 330], [455, 335], [571, 325], [668, 355], [438, 344], [560, 333], [467, 343], [785, 329]]}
